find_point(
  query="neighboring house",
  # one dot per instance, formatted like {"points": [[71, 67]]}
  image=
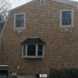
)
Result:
{"points": [[41, 35]]}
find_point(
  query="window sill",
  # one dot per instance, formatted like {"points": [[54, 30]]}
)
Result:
{"points": [[22, 28], [66, 26], [33, 57]]}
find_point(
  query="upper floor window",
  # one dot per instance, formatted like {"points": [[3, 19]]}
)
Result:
{"points": [[66, 19], [42, 2], [19, 21]]}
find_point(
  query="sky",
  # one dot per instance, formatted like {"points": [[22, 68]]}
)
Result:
{"points": [[16, 3]]}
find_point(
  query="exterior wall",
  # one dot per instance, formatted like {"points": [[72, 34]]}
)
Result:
{"points": [[61, 50]]}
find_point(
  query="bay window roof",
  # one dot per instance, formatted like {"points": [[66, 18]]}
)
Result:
{"points": [[33, 41]]}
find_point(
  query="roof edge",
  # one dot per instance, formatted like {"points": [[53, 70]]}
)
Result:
{"points": [[67, 2], [23, 5]]}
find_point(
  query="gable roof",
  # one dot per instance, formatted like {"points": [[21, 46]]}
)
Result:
{"points": [[68, 2]]}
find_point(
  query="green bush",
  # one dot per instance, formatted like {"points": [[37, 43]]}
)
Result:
{"points": [[63, 73]]}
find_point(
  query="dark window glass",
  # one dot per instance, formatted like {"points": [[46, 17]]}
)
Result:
{"points": [[66, 14], [24, 50], [40, 50], [66, 18], [39, 53], [66, 21], [40, 47], [20, 20], [31, 50]]}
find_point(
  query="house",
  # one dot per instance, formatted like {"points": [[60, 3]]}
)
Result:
{"points": [[41, 35]]}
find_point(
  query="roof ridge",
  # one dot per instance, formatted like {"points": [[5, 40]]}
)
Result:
{"points": [[69, 2]]}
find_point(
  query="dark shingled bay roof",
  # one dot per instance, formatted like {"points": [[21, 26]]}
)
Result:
{"points": [[33, 41]]}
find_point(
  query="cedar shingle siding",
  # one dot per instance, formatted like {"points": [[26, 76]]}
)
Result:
{"points": [[61, 49]]}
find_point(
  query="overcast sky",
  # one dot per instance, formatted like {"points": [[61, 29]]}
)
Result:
{"points": [[16, 3]]}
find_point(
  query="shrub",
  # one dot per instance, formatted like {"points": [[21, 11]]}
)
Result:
{"points": [[63, 73]]}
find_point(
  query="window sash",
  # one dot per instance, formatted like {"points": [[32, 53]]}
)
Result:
{"points": [[19, 21], [67, 20], [31, 51], [66, 14], [36, 50]]}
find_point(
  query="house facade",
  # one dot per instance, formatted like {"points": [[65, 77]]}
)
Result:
{"points": [[41, 35]]}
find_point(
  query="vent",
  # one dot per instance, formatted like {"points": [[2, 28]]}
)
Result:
{"points": [[42, 2]]}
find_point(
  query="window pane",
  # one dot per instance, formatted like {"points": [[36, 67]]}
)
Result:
{"points": [[40, 50], [39, 53], [40, 47], [66, 14], [31, 50], [66, 21], [20, 20], [66, 18], [24, 50]]}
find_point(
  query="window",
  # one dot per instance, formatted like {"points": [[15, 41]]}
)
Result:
{"points": [[33, 51], [66, 18], [33, 48], [42, 2], [19, 21]]}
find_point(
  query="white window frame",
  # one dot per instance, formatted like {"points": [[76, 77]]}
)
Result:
{"points": [[36, 56], [72, 20], [41, 3], [19, 28]]}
